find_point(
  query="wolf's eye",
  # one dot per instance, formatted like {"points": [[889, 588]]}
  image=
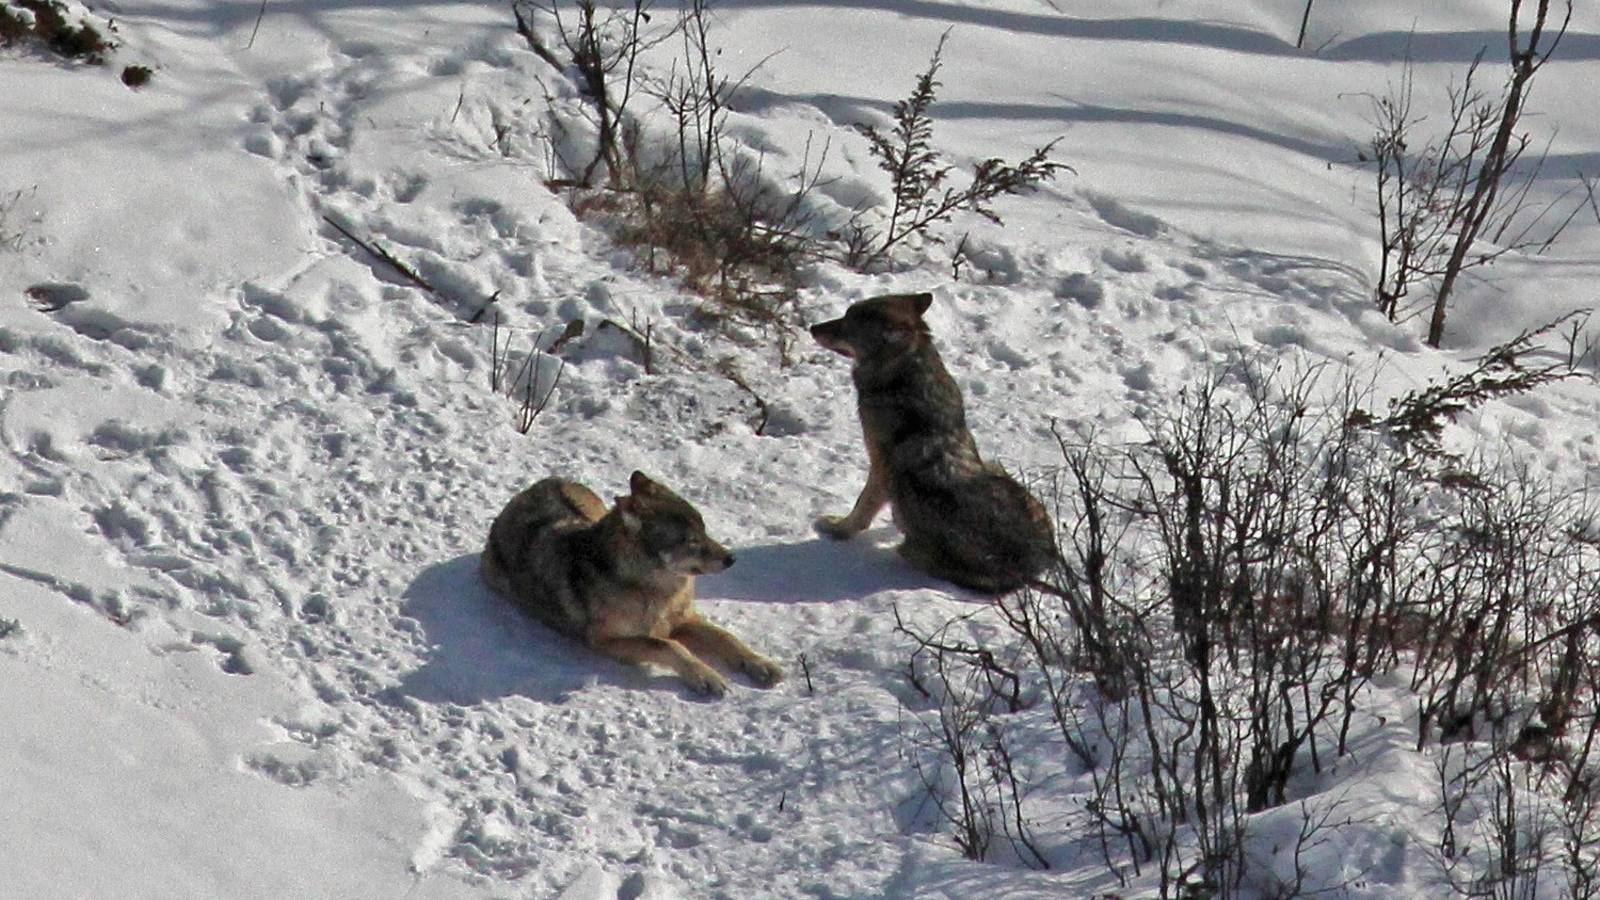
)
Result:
{"points": [[666, 535], [658, 536]]}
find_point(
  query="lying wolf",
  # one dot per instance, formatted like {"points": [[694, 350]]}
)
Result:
{"points": [[964, 520], [621, 580]]}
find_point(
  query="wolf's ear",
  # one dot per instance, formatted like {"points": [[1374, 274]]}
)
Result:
{"points": [[921, 302], [629, 510], [640, 484]]}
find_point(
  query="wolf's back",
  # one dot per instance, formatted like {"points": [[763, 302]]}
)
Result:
{"points": [[1015, 531], [529, 556]]}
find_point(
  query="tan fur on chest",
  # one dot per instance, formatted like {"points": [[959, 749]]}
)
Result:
{"points": [[650, 613]]}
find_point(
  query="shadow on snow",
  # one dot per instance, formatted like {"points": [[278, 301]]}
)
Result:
{"points": [[817, 570], [482, 648]]}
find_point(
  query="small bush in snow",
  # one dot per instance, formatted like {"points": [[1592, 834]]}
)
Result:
{"points": [[739, 243], [137, 76], [704, 206], [1459, 200], [922, 196], [1416, 420], [45, 23], [531, 380], [695, 203]]}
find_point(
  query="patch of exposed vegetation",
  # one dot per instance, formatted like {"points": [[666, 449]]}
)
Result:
{"points": [[695, 201], [46, 25], [137, 76]]}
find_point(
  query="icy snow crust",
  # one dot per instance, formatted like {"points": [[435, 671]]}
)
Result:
{"points": [[247, 468]]}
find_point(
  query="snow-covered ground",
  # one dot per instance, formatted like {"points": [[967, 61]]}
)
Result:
{"points": [[247, 467]]}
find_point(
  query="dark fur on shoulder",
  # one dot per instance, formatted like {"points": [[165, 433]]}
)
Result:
{"points": [[620, 580], [964, 520]]}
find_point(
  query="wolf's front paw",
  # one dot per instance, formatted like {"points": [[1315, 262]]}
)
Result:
{"points": [[705, 681], [762, 671], [836, 527]]}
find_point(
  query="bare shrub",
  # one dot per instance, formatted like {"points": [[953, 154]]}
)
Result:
{"points": [[1317, 824], [1502, 837], [531, 381], [961, 754], [1237, 582], [1442, 199], [738, 243], [699, 204], [694, 202], [1526, 361], [602, 47], [1579, 837]]}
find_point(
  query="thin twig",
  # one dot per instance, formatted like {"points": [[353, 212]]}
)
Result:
{"points": [[529, 413], [261, 13], [384, 255], [728, 371], [525, 28], [475, 317], [494, 354]]}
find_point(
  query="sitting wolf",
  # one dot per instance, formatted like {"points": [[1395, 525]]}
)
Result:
{"points": [[621, 580], [964, 520]]}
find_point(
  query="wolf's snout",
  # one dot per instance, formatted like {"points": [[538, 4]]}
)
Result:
{"points": [[830, 334], [713, 559]]}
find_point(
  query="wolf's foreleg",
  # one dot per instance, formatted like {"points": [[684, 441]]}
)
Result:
{"points": [[711, 642], [668, 654], [874, 496]]}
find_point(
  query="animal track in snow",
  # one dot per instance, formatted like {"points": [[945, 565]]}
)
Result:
{"points": [[1173, 292], [1085, 290], [1126, 260], [236, 658], [286, 91], [52, 296], [1114, 213], [408, 187]]}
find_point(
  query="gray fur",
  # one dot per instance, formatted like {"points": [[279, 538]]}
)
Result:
{"points": [[964, 520], [621, 580]]}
